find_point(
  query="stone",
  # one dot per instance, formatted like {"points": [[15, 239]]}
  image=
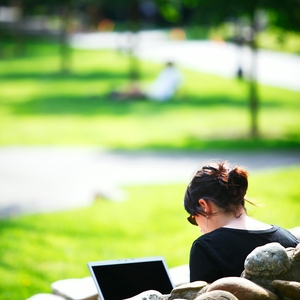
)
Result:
{"points": [[287, 289], [217, 295], [189, 291], [45, 296], [296, 253], [180, 275], [293, 274], [76, 288], [242, 288], [268, 260], [149, 295], [258, 266]]}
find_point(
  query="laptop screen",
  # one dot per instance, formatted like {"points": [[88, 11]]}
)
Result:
{"points": [[121, 279]]}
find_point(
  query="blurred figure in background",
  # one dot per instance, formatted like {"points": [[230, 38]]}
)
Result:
{"points": [[163, 88]]}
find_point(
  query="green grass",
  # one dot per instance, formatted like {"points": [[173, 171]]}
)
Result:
{"points": [[37, 250], [41, 106]]}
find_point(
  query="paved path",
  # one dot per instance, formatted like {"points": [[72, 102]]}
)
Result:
{"points": [[37, 179], [273, 68]]}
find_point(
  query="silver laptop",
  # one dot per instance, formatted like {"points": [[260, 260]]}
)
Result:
{"points": [[125, 278]]}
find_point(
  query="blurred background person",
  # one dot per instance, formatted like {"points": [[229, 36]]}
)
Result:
{"points": [[163, 88]]}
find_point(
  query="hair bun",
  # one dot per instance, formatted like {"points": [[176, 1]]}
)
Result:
{"points": [[237, 184]]}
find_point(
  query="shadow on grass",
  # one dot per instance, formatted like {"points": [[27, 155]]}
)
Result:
{"points": [[63, 77], [242, 143], [237, 143], [97, 102], [93, 104]]}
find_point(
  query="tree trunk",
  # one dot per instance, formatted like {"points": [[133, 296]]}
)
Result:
{"points": [[64, 47], [253, 90], [134, 72], [253, 101], [19, 32]]}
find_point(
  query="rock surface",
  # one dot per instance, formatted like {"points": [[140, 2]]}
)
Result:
{"points": [[189, 291], [75, 288], [288, 289], [149, 295], [217, 295], [242, 288], [285, 264], [267, 260], [45, 296], [180, 275]]}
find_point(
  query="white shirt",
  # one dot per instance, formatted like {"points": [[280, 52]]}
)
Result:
{"points": [[165, 85]]}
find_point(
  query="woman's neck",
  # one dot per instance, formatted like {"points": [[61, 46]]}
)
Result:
{"points": [[240, 220], [247, 223]]}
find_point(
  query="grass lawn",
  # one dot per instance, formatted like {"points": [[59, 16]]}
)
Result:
{"points": [[37, 250], [40, 105]]}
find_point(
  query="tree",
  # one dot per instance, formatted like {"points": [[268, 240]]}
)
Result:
{"points": [[29, 8]]}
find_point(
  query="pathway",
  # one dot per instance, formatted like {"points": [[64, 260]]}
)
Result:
{"points": [[37, 179]]}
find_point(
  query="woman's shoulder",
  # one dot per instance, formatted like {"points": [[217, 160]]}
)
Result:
{"points": [[285, 233], [230, 235], [227, 233]]}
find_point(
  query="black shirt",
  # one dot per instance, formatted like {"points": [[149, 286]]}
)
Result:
{"points": [[222, 252]]}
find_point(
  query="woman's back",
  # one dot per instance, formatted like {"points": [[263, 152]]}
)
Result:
{"points": [[222, 252]]}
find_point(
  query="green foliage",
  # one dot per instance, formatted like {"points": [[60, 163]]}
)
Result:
{"points": [[170, 9], [37, 250], [191, 4], [282, 14], [40, 105], [279, 40]]}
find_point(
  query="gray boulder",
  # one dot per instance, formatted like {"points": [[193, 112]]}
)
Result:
{"points": [[272, 262]]}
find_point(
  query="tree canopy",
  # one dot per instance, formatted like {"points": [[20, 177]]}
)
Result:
{"points": [[284, 14]]}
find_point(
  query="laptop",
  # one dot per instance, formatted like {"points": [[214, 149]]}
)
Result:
{"points": [[125, 278]]}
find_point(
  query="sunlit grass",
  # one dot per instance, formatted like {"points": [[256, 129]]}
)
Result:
{"points": [[278, 194], [40, 105]]}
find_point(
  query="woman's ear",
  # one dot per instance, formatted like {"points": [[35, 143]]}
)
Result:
{"points": [[204, 205]]}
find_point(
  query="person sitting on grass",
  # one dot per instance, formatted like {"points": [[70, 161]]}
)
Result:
{"points": [[162, 89], [215, 200]]}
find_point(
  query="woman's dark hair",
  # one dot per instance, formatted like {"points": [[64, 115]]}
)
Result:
{"points": [[224, 186]]}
